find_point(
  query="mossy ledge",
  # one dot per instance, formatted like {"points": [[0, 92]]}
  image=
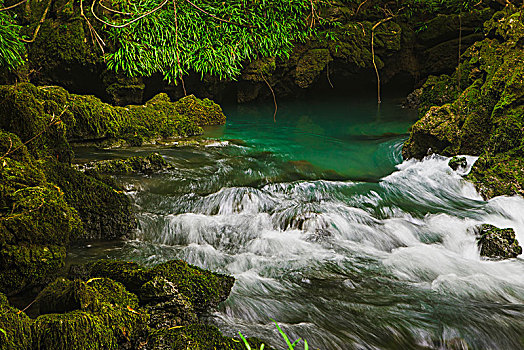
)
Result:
{"points": [[88, 312], [479, 109]]}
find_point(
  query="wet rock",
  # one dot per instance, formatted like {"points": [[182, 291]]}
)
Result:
{"points": [[457, 162], [204, 289], [139, 164], [498, 243]]}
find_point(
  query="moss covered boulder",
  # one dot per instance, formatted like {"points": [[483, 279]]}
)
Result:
{"points": [[106, 212], [204, 289], [16, 331], [498, 243], [97, 314]]}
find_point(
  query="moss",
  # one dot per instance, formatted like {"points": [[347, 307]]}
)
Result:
{"points": [[130, 274], [203, 112], [105, 212], [100, 305], [499, 175], [12, 147], [312, 63], [498, 243], [259, 69], [485, 119], [17, 327], [60, 44], [24, 114], [74, 330], [197, 337], [139, 164], [32, 209], [457, 162], [204, 289], [23, 266]]}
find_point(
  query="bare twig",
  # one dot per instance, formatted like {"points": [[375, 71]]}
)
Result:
{"points": [[327, 74], [130, 22], [39, 24], [12, 6], [359, 6], [274, 98], [373, 53]]}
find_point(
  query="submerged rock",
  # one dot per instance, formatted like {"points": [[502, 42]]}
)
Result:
{"points": [[458, 162], [498, 243]]}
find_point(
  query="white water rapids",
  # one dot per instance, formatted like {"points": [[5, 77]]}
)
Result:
{"points": [[347, 265]]}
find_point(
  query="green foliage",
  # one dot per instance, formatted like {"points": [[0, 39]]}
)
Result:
{"points": [[291, 345], [11, 48], [193, 40]]}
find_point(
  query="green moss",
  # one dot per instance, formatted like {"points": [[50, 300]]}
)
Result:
{"points": [[498, 243], [203, 112], [17, 327], [74, 330], [101, 305], [105, 211], [58, 44], [12, 147], [312, 63], [457, 162], [204, 289], [130, 274], [24, 114], [23, 266], [487, 117]]}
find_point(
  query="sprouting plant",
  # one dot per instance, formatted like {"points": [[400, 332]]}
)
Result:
{"points": [[291, 345]]}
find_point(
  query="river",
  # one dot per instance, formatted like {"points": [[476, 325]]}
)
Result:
{"points": [[328, 231]]}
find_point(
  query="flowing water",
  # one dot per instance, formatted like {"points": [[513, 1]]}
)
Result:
{"points": [[329, 232]]}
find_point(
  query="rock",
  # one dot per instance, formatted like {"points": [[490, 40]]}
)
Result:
{"points": [[498, 243], [413, 99], [204, 289], [457, 162], [16, 325], [139, 164]]}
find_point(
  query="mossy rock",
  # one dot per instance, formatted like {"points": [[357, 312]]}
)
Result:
{"points": [[16, 325], [24, 114], [457, 162], [487, 117], [203, 112], [101, 305], [105, 211], [23, 266], [32, 209], [498, 243], [498, 175], [73, 330], [139, 164], [312, 63], [204, 289], [197, 337], [12, 147]]}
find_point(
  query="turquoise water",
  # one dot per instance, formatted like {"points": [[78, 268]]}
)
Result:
{"points": [[328, 231]]}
